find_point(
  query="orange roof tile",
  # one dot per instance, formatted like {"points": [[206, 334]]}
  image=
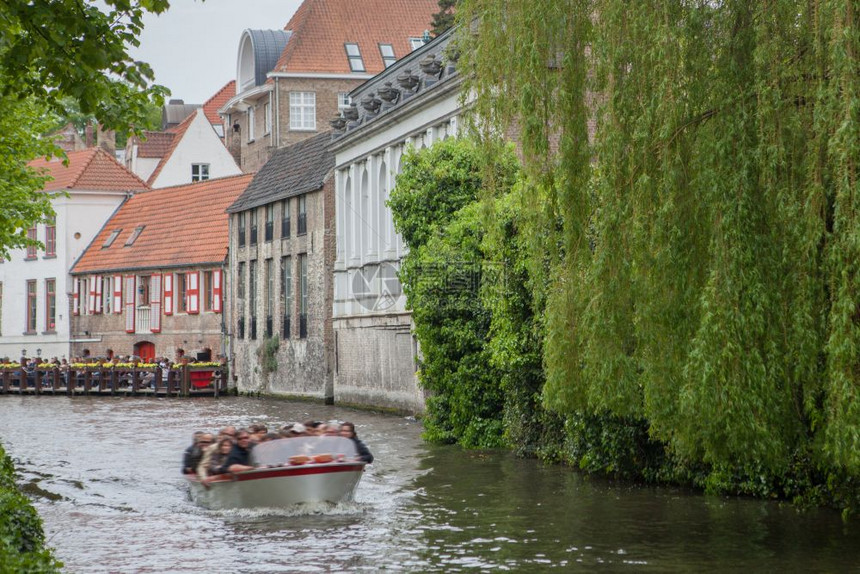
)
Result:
{"points": [[91, 169], [321, 27], [156, 144], [213, 104], [184, 225], [177, 132]]}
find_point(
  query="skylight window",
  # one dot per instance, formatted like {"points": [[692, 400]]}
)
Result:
{"points": [[111, 238], [416, 43], [387, 51], [134, 235], [353, 54]]}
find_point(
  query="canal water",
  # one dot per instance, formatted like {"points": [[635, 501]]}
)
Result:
{"points": [[104, 474]]}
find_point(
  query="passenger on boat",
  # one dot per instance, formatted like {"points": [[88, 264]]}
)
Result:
{"points": [[192, 455], [347, 430], [228, 432], [297, 429], [332, 429], [240, 457], [219, 458]]}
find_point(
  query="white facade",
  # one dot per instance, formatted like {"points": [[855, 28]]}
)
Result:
{"points": [[80, 216], [199, 145], [377, 354], [143, 167]]}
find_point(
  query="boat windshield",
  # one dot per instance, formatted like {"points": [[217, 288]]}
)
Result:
{"points": [[279, 451]]}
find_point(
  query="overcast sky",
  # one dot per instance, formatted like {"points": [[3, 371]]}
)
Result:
{"points": [[194, 45]]}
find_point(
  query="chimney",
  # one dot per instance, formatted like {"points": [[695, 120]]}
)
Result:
{"points": [[106, 139], [88, 135]]}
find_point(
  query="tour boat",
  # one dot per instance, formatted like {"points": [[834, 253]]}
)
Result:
{"points": [[287, 471]]}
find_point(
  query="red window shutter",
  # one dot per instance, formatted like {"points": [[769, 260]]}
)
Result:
{"points": [[168, 294], [117, 294], [76, 296], [216, 290], [155, 304], [129, 303], [98, 306], [193, 305]]}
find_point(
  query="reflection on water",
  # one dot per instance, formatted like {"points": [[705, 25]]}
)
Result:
{"points": [[105, 474]]}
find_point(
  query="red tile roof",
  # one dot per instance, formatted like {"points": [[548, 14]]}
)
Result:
{"points": [[213, 104], [321, 27], [184, 225], [91, 169], [177, 133], [156, 144]]}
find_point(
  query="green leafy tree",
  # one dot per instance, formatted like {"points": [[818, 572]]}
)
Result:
{"points": [[53, 52], [692, 217], [444, 18]]}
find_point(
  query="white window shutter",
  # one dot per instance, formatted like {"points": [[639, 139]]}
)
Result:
{"points": [[129, 303], [155, 304]]}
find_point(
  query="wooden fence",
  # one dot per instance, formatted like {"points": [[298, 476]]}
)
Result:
{"points": [[180, 381]]}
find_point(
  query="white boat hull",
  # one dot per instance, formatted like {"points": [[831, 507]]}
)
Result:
{"points": [[279, 487]]}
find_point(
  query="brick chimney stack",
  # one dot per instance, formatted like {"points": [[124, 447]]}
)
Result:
{"points": [[88, 135], [106, 139]]}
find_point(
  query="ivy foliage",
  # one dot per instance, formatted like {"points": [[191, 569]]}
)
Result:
{"points": [[691, 222], [436, 209], [22, 540]]}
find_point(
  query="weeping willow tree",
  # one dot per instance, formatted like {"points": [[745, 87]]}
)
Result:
{"points": [[693, 195]]}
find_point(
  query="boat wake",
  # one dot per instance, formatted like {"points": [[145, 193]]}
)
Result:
{"points": [[345, 508]]}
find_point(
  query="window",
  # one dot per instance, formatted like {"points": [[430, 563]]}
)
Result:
{"points": [[241, 217], [287, 293], [51, 239], [31, 249], [387, 51], [303, 111], [134, 235], [285, 218], [50, 305], [252, 215], [31, 306], [252, 298], [251, 120], [84, 291], [343, 101], [111, 238], [199, 172], [240, 296], [181, 293], [208, 291], [269, 278], [416, 43], [269, 231], [267, 111], [107, 295], [143, 291], [353, 54], [303, 215], [303, 295]]}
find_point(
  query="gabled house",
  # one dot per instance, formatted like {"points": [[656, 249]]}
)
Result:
{"points": [[152, 280], [291, 82], [35, 287], [190, 152], [281, 258], [415, 102], [215, 103]]}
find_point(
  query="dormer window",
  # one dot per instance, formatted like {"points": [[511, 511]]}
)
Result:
{"points": [[353, 54], [416, 43], [387, 51], [111, 238], [134, 235]]}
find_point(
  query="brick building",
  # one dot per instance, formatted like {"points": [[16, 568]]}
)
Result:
{"points": [[281, 258], [152, 280], [291, 82]]}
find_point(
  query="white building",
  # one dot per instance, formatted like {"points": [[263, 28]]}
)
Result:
{"points": [[35, 288], [414, 102], [192, 151]]}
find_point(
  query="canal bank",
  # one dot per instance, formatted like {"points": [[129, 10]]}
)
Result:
{"points": [[22, 539], [116, 502]]}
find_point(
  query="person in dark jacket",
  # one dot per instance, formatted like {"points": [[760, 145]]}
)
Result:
{"points": [[347, 430], [192, 455], [240, 457]]}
